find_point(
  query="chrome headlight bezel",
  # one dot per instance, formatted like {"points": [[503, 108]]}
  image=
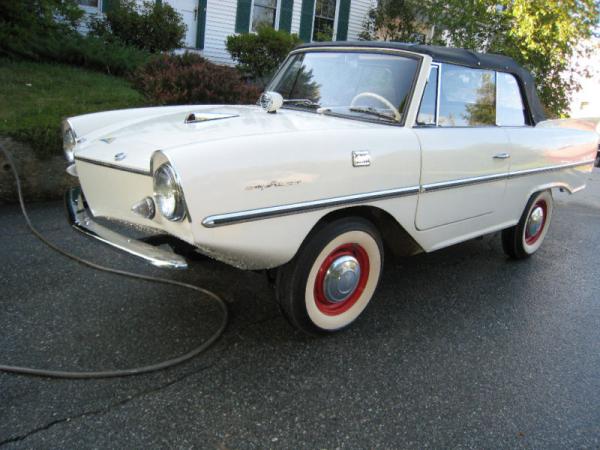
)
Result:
{"points": [[69, 141], [166, 189]]}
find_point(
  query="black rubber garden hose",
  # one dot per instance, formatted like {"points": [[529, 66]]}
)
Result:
{"points": [[120, 372]]}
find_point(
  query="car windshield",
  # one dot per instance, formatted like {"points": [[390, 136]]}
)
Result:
{"points": [[369, 85]]}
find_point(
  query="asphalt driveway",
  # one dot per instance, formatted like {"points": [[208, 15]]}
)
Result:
{"points": [[461, 348]]}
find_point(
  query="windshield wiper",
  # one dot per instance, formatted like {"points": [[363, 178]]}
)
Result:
{"points": [[373, 112], [301, 102]]}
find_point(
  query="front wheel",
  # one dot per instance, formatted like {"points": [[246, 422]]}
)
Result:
{"points": [[526, 237], [333, 277]]}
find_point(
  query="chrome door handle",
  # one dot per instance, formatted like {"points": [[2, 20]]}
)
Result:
{"points": [[502, 156]]}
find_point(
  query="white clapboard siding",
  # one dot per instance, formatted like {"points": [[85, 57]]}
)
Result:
{"points": [[297, 9], [220, 23], [359, 9]]}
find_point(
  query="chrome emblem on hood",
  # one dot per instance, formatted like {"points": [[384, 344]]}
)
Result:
{"points": [[120, 156], [203, 117]]}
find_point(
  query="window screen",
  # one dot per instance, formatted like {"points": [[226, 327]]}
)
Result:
{"points": [[263, 13], [426, 114], [467, 97], [510, 111], [324, 19]]}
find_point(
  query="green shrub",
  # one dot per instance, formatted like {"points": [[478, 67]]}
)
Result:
{"points": [[41, 14], [189, 78], [151, 26], [69, 48], [259, 54]]}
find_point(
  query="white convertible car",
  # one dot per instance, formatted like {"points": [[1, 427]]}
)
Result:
{"points": [[354, 148]]}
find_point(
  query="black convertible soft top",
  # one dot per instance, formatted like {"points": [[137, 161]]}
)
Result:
{"points": [[462, 57]]}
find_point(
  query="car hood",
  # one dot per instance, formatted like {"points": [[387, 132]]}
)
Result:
{"points": [[130, 140]]}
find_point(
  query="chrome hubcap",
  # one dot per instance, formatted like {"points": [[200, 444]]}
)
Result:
{"points": [[341, 278], [536, 219]]}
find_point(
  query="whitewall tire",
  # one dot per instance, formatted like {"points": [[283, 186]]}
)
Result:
{"points": [[525, 238], [333, 277]]}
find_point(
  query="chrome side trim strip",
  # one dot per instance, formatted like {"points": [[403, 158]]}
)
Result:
{"points": [[113, 166], [462, 182], [499, 176], [82, 220], [550, 168], [295, 208]]}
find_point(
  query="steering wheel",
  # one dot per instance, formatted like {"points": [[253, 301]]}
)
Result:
{"points": [[382, 99]]}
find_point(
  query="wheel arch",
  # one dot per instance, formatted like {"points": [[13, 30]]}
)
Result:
{"points": [[397, 241]]}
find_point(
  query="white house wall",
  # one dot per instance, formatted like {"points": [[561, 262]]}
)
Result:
{"points": [[296, 11], [220, 23], [359, 10]]}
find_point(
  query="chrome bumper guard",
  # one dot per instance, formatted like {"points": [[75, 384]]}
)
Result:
{"points": [[82, 220]]}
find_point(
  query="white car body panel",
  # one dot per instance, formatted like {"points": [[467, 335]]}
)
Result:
{"points": [[446, 156], [254, 162]]}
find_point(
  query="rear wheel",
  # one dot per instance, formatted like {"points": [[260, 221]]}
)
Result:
{"points": [[333, 277], [525, 238]]}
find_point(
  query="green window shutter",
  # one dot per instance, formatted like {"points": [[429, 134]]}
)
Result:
{"points": [[242, 16], [285, 16], [109, 5], [343, 18], [201, 24], [159, 2], [307, 16]]}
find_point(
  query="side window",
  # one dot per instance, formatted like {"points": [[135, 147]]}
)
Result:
{"points": [[467, 97], [510, 111], [426, 114]]}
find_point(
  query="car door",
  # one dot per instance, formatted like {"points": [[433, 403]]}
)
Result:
{"points": [[464, 154]]}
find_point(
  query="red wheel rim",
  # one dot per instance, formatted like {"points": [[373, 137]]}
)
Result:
{"points": [[532, 238], [327, 306]]}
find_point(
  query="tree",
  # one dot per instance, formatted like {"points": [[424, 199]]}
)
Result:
{"points": [[394, 20], [544, 36], [541, 35]]}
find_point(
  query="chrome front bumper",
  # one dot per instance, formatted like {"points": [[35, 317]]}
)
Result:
{"points": [[82, 220]]}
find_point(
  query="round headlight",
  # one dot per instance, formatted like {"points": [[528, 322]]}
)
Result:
{"points": [[168, 194], [69, 141]]}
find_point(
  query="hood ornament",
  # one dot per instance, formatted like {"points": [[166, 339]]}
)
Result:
{"points": [[270, 101], [120, 156]]}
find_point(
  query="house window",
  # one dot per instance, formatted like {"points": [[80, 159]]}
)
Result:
{"points": [[264, 12], [324, 20], [91, 3]]}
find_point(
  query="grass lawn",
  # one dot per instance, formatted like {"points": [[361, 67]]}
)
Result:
{"points": [[35, 97]]}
